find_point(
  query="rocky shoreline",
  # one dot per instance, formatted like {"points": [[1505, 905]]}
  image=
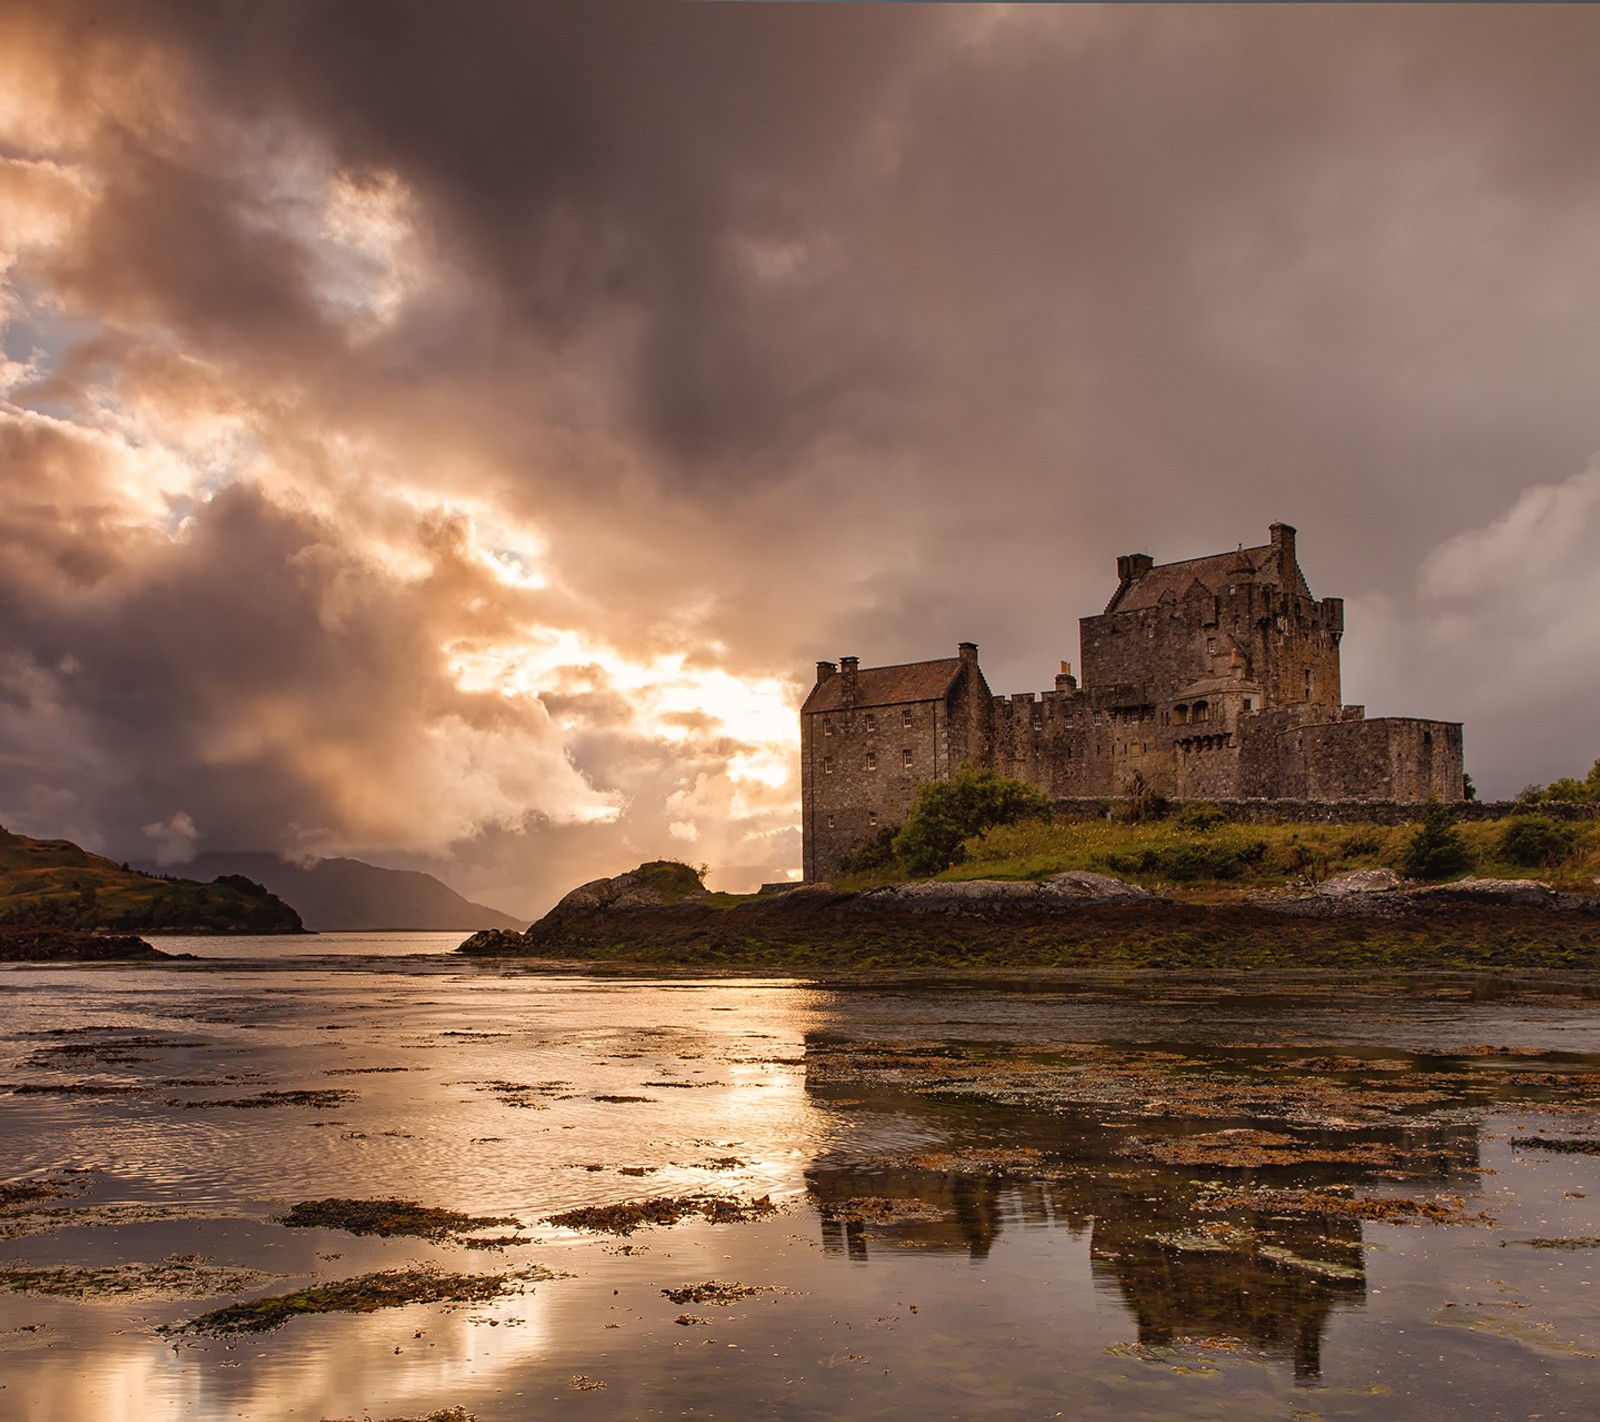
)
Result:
{"points": [[1366, 918], [71, 945]]}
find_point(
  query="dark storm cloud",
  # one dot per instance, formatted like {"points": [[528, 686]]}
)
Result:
{"points": [[792, 330]]}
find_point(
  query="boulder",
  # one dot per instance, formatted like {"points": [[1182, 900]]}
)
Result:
{"points": [[1361, 881]]}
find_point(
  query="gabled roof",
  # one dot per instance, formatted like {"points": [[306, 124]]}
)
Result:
{"points": [[1213, 574], [888, 686]]}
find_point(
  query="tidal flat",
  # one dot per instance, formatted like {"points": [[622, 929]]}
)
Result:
{"points": [[412, 1186]]}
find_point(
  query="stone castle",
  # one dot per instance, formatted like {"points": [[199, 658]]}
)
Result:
{"points": [[1214, 679]]}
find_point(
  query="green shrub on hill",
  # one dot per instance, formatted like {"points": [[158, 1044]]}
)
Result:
{"points": [[1535, 842], [1437, 850], [948, 812]]}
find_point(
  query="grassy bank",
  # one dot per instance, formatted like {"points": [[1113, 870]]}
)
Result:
{"points": [[1218, 861]]}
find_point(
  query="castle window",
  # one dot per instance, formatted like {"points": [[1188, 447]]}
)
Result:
{"points": [[827, 726], [907, 754], [872, 760], [1249, 705], [872, 817], [830, 821], [1097, 718], [1202, 711], [1211, 644], [1308, 683], [872, 721], [827, 765], [1038, 722], [905, 717]]}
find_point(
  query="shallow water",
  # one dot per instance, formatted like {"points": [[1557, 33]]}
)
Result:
{"points": [[995, 1204]]}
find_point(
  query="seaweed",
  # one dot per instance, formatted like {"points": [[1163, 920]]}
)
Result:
{"points": [[389, 1217], [628, 1216], [323, 1100], [365, 1293]]}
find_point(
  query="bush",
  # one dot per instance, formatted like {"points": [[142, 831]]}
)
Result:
{"points": [[1437, 849], [1585, 791], [875, 853], [1536, 842], [1192, 860], [947, 812], [671, 878], [1198, 816]]}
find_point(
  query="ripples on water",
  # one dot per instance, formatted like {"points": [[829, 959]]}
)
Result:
{"points": [[989, 1208]]}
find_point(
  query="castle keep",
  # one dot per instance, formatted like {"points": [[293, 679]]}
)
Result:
{"points": [[1211, 679]]}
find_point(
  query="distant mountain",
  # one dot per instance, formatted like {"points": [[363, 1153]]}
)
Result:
{"points": [[53, 883], [335, 894]]}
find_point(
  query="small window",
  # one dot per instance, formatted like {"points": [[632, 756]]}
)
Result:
{"points": [[1249, 705], [905, 717], [872, 817], [906, 753], [1211, 644], [827, 765], [1097, 718], [1038, 721], [872, 760], [830, 821], [827, 727], [1308, 683], [872, 721]]}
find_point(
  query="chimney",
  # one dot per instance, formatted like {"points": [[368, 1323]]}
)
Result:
{"points": [[825, 670], [1283, 546], [1133, 566], [848, 667], [1065, 681], [968, 651]]}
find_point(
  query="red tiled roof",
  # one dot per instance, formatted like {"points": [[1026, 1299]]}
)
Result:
{"points": [[888, 686], [1213, 573]]}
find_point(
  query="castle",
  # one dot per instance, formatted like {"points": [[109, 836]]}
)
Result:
{"points": [[1214, 678]]}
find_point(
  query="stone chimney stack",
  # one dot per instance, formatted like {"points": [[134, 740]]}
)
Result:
{"points": [[1065, 681], [848, 667], [825, 670], [968, 651], [1283, 546], [1133, 566]]}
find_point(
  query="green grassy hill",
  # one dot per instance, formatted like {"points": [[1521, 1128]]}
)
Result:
{"points": [[1221, 860], [54, 883]]}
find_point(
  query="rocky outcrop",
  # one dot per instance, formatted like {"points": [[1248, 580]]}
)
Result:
{"points": [[1383, 893], [69, 945], [1074, 888]]}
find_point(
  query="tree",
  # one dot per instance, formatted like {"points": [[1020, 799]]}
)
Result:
{"points": [[947, 812], [1437, 849]]}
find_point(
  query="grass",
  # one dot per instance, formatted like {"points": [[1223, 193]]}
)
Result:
{"points": [[1163, 855]]}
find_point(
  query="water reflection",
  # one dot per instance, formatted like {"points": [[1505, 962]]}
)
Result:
{"points": [[1051, 1182]]}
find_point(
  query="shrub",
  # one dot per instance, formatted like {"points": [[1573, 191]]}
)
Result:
{"points": [[671, 878], [1199, 816], [1536, 842], [946, 812], [1192, 860], [1437, 849], [875, 853]]}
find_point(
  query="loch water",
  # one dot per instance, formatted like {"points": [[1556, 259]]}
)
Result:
{"points": [[1140, 1199]]}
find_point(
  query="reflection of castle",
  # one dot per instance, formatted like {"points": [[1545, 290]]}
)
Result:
{"points": [[1214, 678], [1268, 1280]]}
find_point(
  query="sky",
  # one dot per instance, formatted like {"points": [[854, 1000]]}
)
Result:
{"points": [[449, 435]]}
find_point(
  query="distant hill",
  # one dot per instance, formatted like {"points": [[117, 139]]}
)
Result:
{"points": [[345, 894], [53, 883]]}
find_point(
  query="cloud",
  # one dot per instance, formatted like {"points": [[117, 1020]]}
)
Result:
{"points": [[174, 838], [448, 434]]}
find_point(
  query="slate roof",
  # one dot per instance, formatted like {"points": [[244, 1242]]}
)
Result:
{"points": [[1173, 581], [888, 686]]}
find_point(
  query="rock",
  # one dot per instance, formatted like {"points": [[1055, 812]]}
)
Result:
{"points": [[945, 896], [1361, 881], [1081, 886], [494, 942], [1532, 893]]}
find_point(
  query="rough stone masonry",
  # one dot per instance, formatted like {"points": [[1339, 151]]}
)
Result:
{"points": [[1214, 678]]}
